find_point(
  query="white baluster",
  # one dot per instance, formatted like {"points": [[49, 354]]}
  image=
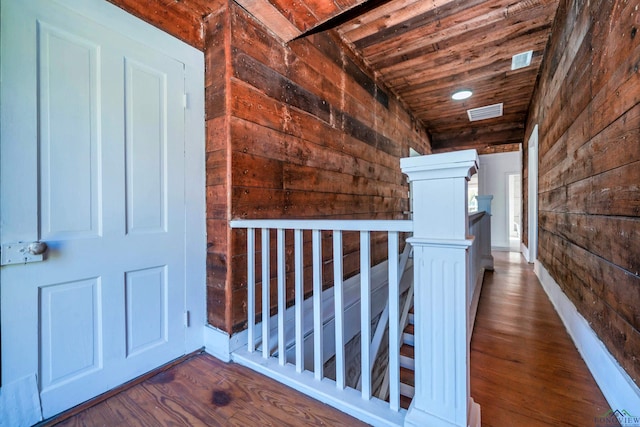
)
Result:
{"points": [[299, 290], [394, 323], [282, 303], [266, 289], [317, 304], [251, 289], [338, 296], [365, 313]]}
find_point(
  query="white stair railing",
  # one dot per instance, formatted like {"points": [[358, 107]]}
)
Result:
{"points": [[480, 258], [445, 276], [332, 322]]}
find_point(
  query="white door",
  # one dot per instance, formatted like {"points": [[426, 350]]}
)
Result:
{"points": [[92, 164]]}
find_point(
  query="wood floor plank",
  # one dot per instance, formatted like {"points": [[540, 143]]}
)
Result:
{"points": [[103, 417], [525, 370], [143, 408], [272, 399], [196, 391], [204, 391]]}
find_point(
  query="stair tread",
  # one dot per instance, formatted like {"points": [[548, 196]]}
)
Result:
{"points": [[409, 329], [407, 350], [405, 402], [407, 376]]}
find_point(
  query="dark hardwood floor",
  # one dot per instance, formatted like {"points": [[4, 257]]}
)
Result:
{"points": [[525, 371]]}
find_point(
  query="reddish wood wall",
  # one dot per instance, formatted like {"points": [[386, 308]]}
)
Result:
{"points": [[295, 131], [182, 19], [588, 111]]}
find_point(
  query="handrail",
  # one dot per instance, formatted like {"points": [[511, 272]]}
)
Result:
{"points": [[475, 217], [403, 226]]}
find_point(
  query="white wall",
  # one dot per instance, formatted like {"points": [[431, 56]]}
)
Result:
{"points": [[492, 180]]}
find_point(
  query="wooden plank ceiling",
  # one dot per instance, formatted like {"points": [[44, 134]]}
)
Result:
{"points": [[425, 50], [421, 50]]}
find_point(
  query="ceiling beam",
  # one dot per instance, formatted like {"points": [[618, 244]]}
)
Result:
{"points": [[344, 17], [266, 13]]}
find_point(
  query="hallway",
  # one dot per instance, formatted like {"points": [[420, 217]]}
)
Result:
{"points": [[525, 369], [525, 372]]}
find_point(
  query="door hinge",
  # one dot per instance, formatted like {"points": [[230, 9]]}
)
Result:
{"points": [[185, 100], [186, 318]]}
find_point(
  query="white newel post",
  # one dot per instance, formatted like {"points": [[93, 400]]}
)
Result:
{"points": [[484, 204], [440, 243]]}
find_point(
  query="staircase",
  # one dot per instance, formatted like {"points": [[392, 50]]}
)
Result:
{"points": [[405, 343], [407, 364]]}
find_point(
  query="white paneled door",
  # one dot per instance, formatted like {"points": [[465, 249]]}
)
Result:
{"points": [[92, 163]]}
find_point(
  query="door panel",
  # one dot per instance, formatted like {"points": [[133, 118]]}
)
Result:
{"points": [[68, 100], [106, 148], [146, 309], [70, 319], [146, 139]]}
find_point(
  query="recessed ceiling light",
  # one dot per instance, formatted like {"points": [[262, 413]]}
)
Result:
{"points": [[462, 94]]}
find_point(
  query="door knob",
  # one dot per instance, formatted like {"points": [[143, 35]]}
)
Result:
{"points": [[22, 252], [37, 248]]}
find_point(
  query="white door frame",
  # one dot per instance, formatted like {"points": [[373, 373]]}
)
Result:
{"points": [[532, 205], [18, 396]]}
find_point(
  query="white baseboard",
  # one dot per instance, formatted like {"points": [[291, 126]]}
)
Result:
{"points": [[525, 251], [616, 385], [474, 414], [216, 343], [220, 345]]}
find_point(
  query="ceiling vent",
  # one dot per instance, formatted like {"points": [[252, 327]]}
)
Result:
{"points": [[521, 60], [483, 113]]}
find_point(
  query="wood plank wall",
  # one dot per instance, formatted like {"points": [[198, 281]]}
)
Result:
{"points": [[296, 131], [587, 105], [182, 19]]}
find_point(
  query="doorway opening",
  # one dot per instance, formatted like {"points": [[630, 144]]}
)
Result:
{"points": [[514, 197]]}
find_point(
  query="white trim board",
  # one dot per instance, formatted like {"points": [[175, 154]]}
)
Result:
{"points": [[525, 251], [616, 385], [220, 345]]}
